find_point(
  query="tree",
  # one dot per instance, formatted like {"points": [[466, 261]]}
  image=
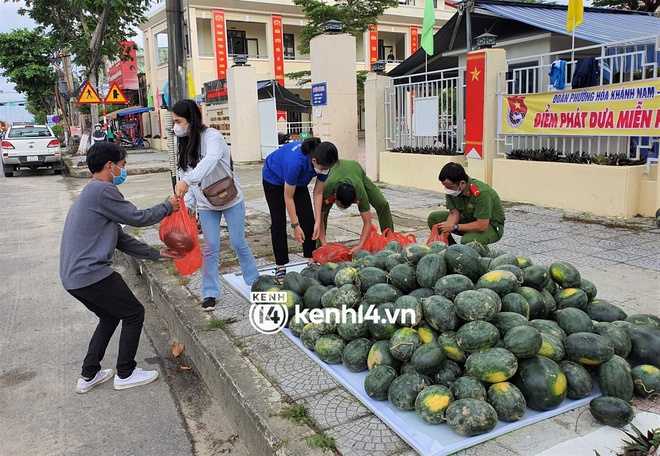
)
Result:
{"points": [[25, 57], [640, 5], [356, 15], [88, 29]]}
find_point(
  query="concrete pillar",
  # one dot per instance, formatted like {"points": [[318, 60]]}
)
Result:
{"points": [[333, 62], [494, 65], [243, 113], [374, 120]]}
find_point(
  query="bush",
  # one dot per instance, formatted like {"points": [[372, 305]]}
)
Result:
{"points": [[549, 154]]}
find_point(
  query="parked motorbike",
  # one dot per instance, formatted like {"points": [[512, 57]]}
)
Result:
{"points": [[139, 143], [283, 138]]}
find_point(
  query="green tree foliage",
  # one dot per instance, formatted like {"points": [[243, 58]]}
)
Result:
{"points": [[356, 15], [641, 5], [305, 77], [25, 60]]}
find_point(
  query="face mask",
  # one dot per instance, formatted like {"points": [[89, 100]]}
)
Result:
{"points": [[451, 192], [117, 180], [98, 128], [321, 171], [181, 131]]}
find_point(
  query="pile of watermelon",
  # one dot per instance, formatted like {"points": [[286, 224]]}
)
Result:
{"points": [[478, 336]]}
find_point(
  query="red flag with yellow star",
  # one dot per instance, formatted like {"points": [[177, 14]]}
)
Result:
{"points": [[474, 100]]}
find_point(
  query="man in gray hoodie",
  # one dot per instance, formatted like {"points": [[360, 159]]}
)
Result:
{"points": [[92, 232]]}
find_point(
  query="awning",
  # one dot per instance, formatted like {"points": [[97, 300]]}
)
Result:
{"points": [[285, 100], [128, 111], [599, 25]]}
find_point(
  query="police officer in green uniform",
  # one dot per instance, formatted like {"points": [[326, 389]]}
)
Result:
{"points": [[347, 183], [474, 212]]}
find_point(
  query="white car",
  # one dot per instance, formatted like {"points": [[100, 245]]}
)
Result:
{"points": [[30, 146]]}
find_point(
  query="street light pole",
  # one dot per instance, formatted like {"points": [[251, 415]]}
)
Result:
{"points": [[176, 59]]}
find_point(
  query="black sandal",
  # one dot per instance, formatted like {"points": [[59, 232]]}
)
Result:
{"points": [[280, 272]]}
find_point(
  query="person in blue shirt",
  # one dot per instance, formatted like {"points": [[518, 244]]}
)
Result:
{"points": [[286, 175]]}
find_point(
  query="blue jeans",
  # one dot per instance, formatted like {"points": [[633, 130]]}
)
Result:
{"points": [[235, 218]]}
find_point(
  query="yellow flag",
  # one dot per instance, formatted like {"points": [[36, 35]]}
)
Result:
{"points": [[191, 86], [427, 27], [574, 14]]}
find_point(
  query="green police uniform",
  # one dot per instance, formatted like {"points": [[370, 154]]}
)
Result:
{"points": [[368, 194], [477, 201]]}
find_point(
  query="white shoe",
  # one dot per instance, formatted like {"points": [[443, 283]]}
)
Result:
{"points": [[137, 378], [101, 376]]}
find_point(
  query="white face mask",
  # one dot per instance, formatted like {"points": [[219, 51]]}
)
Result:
{"points": [[451, 192], [321, 171], [181, 131]]}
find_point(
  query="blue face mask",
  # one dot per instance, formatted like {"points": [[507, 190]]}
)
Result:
{"points": [[117, 180]]}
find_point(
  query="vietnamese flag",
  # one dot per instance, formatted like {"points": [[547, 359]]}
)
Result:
{"points": [[474, 99]]}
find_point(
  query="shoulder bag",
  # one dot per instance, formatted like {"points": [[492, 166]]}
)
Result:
{"points": [[222, 191]]}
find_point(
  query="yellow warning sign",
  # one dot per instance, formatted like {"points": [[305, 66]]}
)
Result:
{"points": [[88, 95], [115, 96]]}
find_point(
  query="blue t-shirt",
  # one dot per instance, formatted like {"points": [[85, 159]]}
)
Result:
{"points": [[288, 164]]}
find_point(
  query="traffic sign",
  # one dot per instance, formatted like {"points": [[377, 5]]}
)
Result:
{"points": [[88, 95], [56, 119], [115, 96]]}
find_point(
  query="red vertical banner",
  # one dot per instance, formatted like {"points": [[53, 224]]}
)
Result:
{"points": [[278, 48], [475, 87], [220, 42], [373, 44], [414, 40]]}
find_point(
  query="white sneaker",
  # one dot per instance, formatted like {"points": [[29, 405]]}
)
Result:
{"points": [[137, 378], [101, 376]]}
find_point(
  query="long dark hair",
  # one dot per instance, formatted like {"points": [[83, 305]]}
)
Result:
{"points": [[189, 146], [325, 153]]}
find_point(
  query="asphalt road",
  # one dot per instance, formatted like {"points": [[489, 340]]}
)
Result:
{"points": [[44, 334]]}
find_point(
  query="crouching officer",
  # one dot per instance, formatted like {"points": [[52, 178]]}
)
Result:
{"points": [[474, 212], [347, 183]]}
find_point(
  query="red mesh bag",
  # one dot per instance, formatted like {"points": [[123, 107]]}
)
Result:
{"points": [[335, 253], [178, 231], [403, 239], [436, 235]]}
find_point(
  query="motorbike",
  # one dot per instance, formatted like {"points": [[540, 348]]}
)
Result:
{"points": [[139, 143], [283, 138]]}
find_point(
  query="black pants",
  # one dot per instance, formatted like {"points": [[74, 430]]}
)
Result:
{"points": [[112, 301], [277, 208]]}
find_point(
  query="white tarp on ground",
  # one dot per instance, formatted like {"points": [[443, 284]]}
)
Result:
{"points": [[426, 439]]}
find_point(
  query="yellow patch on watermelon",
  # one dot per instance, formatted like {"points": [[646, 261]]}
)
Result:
{"points": [[374, 359], [496, 377], [437, 403], [648, 369], [501, 387], [569, 292], [589, 362], [559, 386], [425, 334], [493, 276], [546, 349]]}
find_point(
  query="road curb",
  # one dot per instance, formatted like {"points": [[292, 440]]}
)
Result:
{"points": [[69, 169], [251, 402]]}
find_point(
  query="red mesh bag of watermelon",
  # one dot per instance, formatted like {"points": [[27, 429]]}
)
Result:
{"points": [[436, 235], [403, 239], [374, 241], [335, 253]]}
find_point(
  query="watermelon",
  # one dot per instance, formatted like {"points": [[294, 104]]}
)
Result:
{"points": [[542, 383], [295, 281], [408, 311], [478, 247], [403, 343], [451, 285], [352, 328], [524, 262], [326, 322], [514, 302], [313, 295], [600, 310], [309, 335], [611, 411], [430, 269], [578, 379], [378, 381], [515, 270], [422, 293], [645, 341], [646, 380], [359, 254], [614, 379], [617, 337], [426, 333], [346, 276], [588, 348], [370, 276], [414, 252], [379, 325], [589, 288], [508, 401], [536, 277], [428, 358], [523, 341], [355, 355], [296, 324], [447, 374], [311, 272], [468, 387], [565, 274], [404, 390], [477, 335], [264, 282], [447, 340], [463, 260], [393, 246], [348, 296], [468, 417], [505, 321], [472, 305], [379, 355], [644, 319], [366, 262], [549, 327], [573, 320], [329, 348], [403, 277], [432, 402], [500, 281], [439, 313], [328, 298], [491, 365], [537, 305], [552, 347], [327, 273], [571, 297], [380, 293], [392, 260]]}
